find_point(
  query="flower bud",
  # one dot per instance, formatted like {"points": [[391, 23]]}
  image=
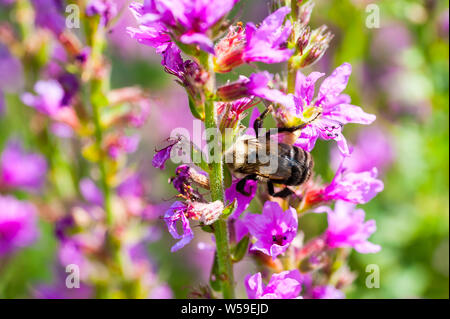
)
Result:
{"points": [[233, 91], [229, 50], [318, 44], [304, 13], [303, 38]]}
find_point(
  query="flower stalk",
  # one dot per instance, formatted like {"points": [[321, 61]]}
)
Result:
{"points": [[220, 226]]}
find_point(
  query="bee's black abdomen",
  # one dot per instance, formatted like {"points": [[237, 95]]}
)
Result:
{"points": [[300, 172]]}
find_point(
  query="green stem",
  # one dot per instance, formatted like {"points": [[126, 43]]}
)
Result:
{"points": [[101, 162], [294, 9], [217, 193], [292, 77]]}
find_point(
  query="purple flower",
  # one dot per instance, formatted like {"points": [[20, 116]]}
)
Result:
{"points": [[274, 229], [162, 291], [372, 149], [11, 72], [161, 156], [206, 213], [357, 188], [266, 43], [188, 72], [71, 252], [346, 228], [59, 290], [329, 111], [121, 144], [49, 98], [284, 285], [182, 178], [19, 169], [243, 201], [188, 21], [18, 225], [132, 186], [91, 192], [263, 44], [178, 212], [256, 85], [326, 292], [106, 9], [49, 15]]}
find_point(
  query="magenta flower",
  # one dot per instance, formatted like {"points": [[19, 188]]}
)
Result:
{"points": [[162, 155], [372, 149], [188, 21], [188, 72], [243, 201], [357, 188], [59, 290], [329, 111], [178, 212], [256, 85], [266, 43], [206, 213], [19, 169], [49, 15], [285, 285], [18, 224], [122, 144], [132, 186], [12, 79], [106, 9], [49, 98], [326, 292], [90, 192], [346, 228], [263, 44], [274, 229]]}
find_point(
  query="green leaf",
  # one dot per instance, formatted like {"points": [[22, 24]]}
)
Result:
{"points": [[229, 209], [227, 179], [208, 229], [238, 252], [214, 279], [194, 110]]}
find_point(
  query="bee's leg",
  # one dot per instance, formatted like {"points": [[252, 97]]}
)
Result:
{"points": [[260, 120], [292, 128], [240, 187], [285, 192]]}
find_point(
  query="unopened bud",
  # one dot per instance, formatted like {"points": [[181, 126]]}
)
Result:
{"points": [[229, 50], [305, 11], [303, 38], [233, 91]]}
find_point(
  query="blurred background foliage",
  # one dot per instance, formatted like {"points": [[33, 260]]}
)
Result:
{"points": [[400, 73]]}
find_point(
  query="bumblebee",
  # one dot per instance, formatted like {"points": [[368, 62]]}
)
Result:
{"points": [[293, 165]]}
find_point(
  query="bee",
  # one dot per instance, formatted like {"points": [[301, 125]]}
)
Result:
{"points": [[293, 165]]}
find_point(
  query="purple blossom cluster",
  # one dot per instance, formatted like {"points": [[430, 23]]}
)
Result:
{"points": [[96, 201], [271, 235]]}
